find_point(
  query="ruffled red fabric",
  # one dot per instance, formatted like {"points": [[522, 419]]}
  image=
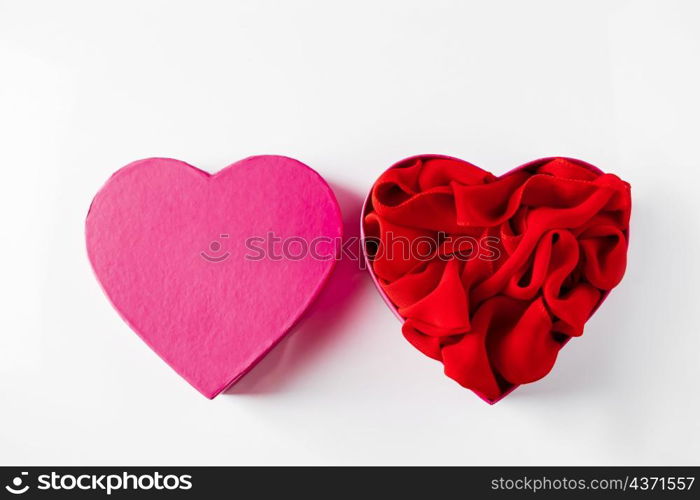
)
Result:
{"points": [[493, 274]]}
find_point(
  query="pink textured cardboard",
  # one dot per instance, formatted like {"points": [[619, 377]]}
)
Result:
{"points": [[367, 205], [179, 253]]}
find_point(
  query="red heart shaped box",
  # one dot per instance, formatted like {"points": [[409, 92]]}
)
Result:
{"points": [[504, 386]]}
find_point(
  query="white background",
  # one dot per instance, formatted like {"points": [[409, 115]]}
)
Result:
{"points": [[348, 88]]}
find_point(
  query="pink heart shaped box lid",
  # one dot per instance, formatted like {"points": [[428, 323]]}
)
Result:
{"points": [[194, 262]]}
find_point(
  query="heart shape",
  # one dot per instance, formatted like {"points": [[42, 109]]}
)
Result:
{"points": [[493, 275], [211, 271]]}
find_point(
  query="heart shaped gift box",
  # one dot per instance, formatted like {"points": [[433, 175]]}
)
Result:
{"points": [[211, 271], [493, 275]]}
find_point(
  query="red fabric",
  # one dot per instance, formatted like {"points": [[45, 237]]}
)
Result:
{"points": [[493, 274]]}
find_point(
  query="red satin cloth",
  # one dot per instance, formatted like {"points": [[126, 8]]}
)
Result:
{"points": [[494, 274]]}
